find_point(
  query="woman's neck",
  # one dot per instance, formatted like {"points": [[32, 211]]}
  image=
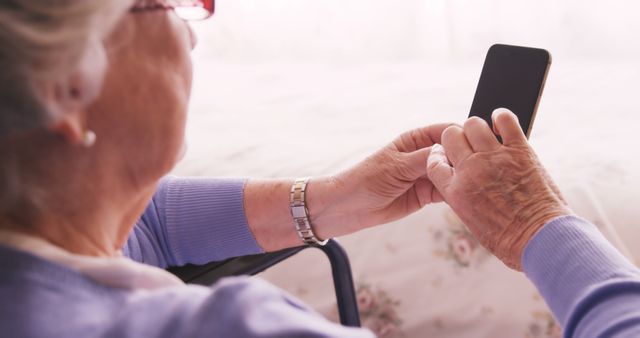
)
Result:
{"points": [[83, 200], [93, 231]]}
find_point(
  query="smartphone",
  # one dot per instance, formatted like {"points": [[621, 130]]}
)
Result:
{"points": [[512, 77]]}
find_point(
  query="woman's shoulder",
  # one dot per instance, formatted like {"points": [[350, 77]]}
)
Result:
{"points": [[44, 299]]}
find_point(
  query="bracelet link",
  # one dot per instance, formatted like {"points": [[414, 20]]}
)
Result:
{"points": [[300, 213]]}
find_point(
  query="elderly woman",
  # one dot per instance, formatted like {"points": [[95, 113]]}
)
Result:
{"points": [[92, 117]]}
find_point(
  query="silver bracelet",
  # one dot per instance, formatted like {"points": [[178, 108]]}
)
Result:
{"points": [[300, 213]]}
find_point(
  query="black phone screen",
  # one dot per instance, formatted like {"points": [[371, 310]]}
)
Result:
{"points": [[512, 77]]}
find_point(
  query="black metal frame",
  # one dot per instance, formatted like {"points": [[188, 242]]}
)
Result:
{"points": [[250, 265]]}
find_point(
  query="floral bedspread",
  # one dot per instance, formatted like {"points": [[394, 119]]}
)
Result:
{"points": [[426, 276]]}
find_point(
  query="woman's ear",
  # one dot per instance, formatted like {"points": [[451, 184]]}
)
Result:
{"points": [[69, 97], [70, 127], [66, 102]]}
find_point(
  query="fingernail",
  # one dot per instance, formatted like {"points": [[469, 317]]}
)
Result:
{"points": [[499, 111], [435, 148]]}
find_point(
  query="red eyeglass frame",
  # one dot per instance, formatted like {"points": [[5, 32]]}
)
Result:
{"points": [[181, 7]]}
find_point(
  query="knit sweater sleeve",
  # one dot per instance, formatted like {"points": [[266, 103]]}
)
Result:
{"points": [[192, 220], [592, 289]]}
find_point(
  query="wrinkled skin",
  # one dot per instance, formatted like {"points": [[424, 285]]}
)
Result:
{"points": [[386, 186], [500, 191]]}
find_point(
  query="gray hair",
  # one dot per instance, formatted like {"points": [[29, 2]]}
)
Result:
{"points": [[41, 42], [44, 40]]}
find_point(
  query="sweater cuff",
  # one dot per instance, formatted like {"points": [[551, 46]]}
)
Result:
{"points": [[205, 219], [566, 259]]}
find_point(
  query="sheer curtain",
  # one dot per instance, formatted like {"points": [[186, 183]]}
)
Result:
{"points": [[423, 30]]}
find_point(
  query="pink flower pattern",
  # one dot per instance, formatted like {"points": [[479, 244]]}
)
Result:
{"points": [[543, 326], [381, 312], [378, 311], [462, 246]]}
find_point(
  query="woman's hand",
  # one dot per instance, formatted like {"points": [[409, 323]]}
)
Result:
{"points": [[500, 191], [388, 185]]}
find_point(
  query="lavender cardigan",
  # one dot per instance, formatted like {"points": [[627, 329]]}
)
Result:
{"points": [[589, 286]]}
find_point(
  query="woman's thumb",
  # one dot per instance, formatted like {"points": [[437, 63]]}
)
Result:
{"points": [[439, 170]]}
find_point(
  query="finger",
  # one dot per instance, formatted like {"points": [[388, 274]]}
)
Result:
{"points": [[456, 145], [426, 192], [420, 138], [479, 135], [414, 167], [439, 170], [506, 125], [436, 196]]}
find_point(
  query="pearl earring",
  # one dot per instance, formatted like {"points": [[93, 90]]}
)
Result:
{"points": [[89, 139]]}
